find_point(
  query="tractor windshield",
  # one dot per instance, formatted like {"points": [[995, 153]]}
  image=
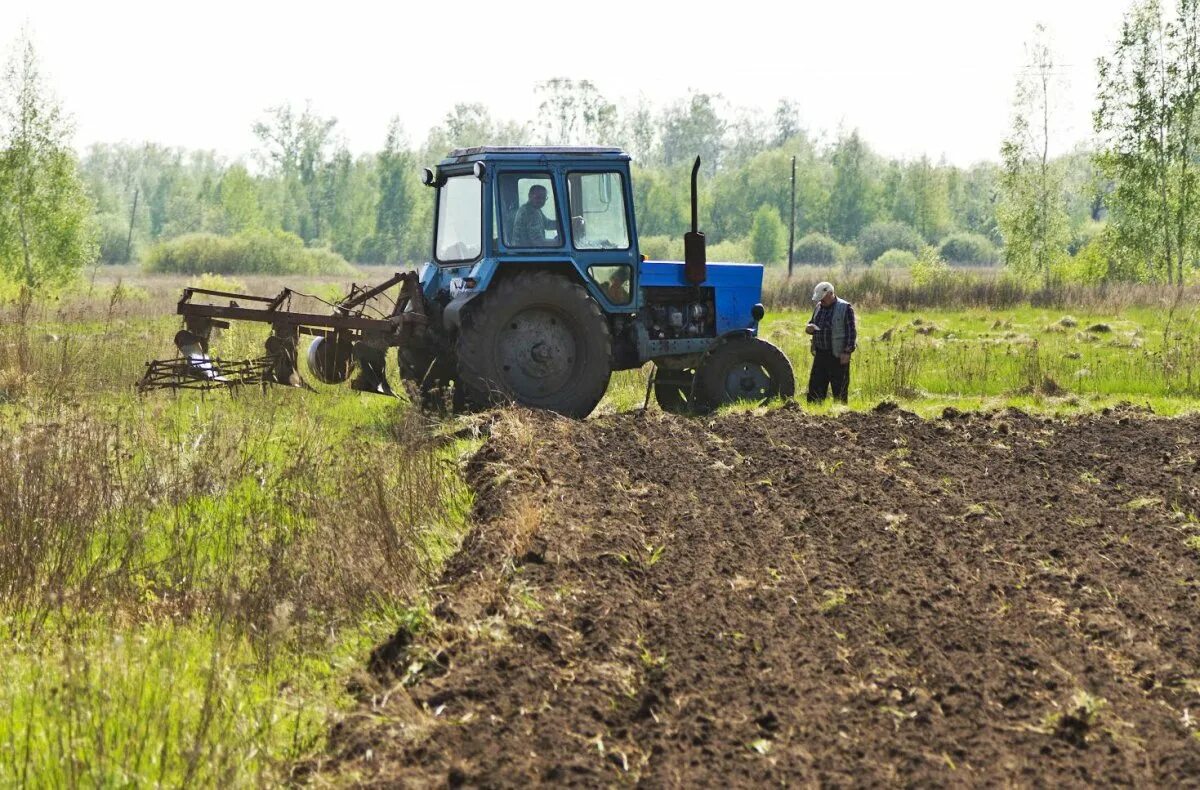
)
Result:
{"points": [[459, 220]]}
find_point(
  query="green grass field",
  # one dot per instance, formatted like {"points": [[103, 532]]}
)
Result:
{"points": [[188, 582], [1054, 361]]}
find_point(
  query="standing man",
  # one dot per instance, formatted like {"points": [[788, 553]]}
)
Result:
{"points": [[834, 337]]}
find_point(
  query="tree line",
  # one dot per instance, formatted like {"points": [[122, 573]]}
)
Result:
{"points": [[372, 208], [1125, 210]]}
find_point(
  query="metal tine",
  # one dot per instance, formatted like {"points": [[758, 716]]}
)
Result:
{"points": [[181, 373]]}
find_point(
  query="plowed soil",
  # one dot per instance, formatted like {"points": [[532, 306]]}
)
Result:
{"points": [[787, 599]]}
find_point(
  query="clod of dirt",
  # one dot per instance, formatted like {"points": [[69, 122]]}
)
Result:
{"points": [[1076, 725], [388, 655], [1070, 322], [768, 721], [1099, 328]]}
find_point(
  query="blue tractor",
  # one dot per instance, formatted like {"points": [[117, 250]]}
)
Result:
{"points": [[536, 292]]}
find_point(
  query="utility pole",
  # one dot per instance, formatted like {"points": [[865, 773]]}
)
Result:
{"points": [[132, 216], [792, 223]]}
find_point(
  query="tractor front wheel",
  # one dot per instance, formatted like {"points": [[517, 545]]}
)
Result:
{"points": [[539, 339], [745, 369]]}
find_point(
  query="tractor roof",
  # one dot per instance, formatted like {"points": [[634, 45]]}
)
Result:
{"points": [[531, 153]]}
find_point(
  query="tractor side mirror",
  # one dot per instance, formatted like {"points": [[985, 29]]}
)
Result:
{"points": [[428, 178]]}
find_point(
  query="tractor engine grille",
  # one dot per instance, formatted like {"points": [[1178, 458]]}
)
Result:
{"points": [[679, 313]]}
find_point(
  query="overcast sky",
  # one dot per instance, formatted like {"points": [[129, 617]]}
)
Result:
{"points": [[915, 78]]}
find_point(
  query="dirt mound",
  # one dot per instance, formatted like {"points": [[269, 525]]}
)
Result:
{"points": [[783, 598]]}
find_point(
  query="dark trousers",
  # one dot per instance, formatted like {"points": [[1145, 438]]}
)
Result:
{"points": [[828, 373]]}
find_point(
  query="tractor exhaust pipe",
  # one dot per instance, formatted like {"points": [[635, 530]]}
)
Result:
{"points": [[695, 261]]}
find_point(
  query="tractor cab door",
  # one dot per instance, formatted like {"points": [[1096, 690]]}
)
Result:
{"points": [[527, 212], [602, 237]]}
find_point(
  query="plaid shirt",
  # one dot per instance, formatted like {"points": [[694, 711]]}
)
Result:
{"points": [[822, 339]]}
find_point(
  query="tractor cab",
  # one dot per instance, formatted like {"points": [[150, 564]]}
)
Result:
{"points": [[552, 208]]}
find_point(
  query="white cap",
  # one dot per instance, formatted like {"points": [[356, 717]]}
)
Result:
{"points": [[821, 291]]}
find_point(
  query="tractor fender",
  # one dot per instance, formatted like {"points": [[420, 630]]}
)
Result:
{"points": [[492, 275], [731, 335], [452, 313]]}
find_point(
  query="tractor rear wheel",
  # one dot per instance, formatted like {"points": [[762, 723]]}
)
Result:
{"points": [[536, 338], [745, 369]]}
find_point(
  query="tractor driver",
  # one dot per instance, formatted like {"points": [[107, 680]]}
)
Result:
{"points": [[530, 224]]}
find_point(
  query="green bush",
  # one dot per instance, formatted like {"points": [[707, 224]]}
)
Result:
{"points": [[217, 282], [930, 271], [730, 251], [662, 248], [816, 249], [896, 259], [249, 252], [1088, 266], [9, 290], [969, 249], [378, 250], [112, 233], [879, 237], [768, 236], [1084, 235], [848, 255]]}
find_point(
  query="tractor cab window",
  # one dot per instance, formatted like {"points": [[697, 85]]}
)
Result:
{"points": [[459, 220], [528, 210], [598, 211]]}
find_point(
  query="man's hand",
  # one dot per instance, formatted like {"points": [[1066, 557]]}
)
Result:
{"points": [[844, 357], [810, 329]]}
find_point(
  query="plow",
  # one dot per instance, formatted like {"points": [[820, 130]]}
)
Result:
{"points": [[345, 342]]}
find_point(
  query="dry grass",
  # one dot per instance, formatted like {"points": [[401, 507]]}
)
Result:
{"points": [[185, 582], [967, 288]]}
